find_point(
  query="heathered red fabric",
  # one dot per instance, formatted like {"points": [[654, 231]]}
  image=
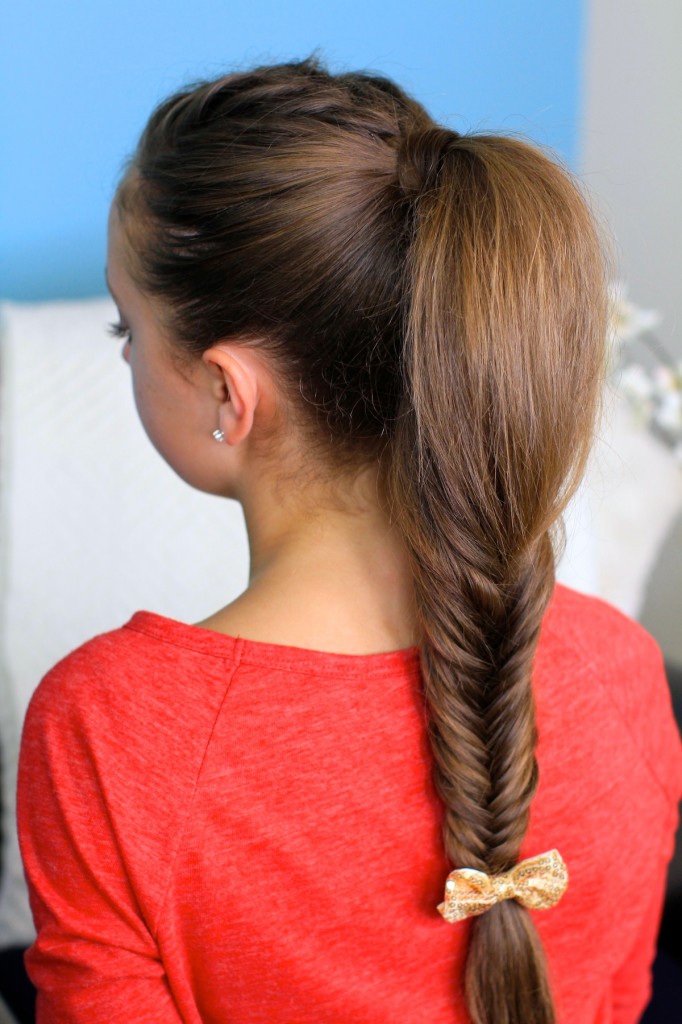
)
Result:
{"points": [[220, 830]]}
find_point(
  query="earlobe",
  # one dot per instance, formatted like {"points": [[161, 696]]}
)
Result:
{"points": [[234, 388]]}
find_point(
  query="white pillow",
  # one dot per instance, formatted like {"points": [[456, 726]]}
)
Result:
{"points": [[94, 524]]}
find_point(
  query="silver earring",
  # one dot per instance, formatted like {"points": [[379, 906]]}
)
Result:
{"points": [[218, 435]]}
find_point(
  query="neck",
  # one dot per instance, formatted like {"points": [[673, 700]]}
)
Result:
{"points": [[326, 575]]}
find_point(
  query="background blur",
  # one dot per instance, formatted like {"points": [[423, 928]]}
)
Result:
{"points": [[598, 80]]}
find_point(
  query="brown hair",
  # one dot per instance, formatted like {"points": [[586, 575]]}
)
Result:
{"points": [[436, 303]]}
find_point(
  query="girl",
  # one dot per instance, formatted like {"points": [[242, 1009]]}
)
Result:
{"points": [[404, 776]]}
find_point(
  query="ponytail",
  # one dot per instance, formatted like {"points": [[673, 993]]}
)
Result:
{"points": [[502, 363]]}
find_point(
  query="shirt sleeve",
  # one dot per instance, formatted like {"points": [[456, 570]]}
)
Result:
{"points": [[646, 706], [95, 958], [632, 982]]}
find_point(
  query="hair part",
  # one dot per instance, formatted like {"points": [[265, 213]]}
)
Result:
{"points": [[436, 305]]}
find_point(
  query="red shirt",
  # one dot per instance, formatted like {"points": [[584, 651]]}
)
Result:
{"points": [[221, 830]]}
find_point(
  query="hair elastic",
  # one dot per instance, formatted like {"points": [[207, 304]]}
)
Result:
{"points": [[537, 883]]}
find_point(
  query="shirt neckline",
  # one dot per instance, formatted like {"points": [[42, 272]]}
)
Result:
{"points": [[281, 656]]}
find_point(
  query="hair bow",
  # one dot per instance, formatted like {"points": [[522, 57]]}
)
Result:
{"points": [[537, 883]]}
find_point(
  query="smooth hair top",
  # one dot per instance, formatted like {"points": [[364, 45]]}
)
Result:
{"points": [[435, 303]]}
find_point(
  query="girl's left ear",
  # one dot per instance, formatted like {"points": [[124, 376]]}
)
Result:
{"points": [[235, 387]]}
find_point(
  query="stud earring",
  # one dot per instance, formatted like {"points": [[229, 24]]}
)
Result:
{"points": [[218, 435]]}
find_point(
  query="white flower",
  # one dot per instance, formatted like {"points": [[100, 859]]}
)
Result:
{"points": [[627, 321], [655, 395], [668, 415], [665, 379]]}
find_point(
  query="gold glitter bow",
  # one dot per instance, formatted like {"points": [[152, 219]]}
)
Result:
{"points": [[537, 883]]}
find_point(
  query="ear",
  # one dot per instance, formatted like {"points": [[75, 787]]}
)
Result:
{"points": [[234, 385]]}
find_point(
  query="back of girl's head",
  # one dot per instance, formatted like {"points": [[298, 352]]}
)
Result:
{"points": [[434, 303], [270, 210]]}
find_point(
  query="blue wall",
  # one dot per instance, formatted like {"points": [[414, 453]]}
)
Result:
{"points": [[78, 79]]}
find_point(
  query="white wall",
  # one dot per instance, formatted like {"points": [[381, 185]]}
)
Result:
{"points": [[631, 145], [631, 159]]}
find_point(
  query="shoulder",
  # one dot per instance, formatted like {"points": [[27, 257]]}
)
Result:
{"points": [[111, 751], [103, 666], [97, 692], [596, 630], [586, 642], [97, 679], [123, 700], [136, 671]]}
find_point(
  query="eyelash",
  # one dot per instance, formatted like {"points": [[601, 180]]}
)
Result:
{"points": [[119, 330]]}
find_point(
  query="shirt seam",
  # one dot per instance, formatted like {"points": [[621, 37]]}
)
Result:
{"points": [[412, 670], [233, 666], [195, 649], [341, 672]]}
